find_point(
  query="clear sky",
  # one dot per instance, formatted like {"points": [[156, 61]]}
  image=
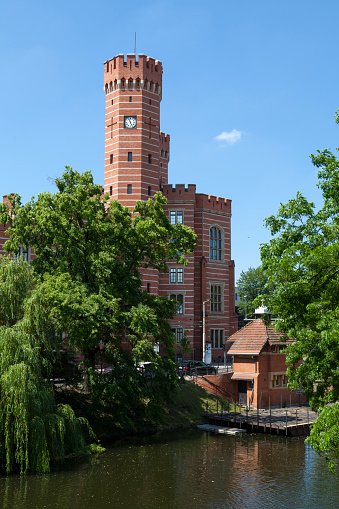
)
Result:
{"points": [[250, 89]]}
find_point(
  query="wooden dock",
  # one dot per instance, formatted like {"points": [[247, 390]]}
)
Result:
{"points": [[220, 429], [279, 421]]}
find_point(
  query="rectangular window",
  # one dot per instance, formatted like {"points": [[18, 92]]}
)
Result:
{"points": [[178, 334], [180, 300], [217, 338], [129, 158], [111, 159], [176, 275], [21, 254], [216, 299], [148, 287], [130, 99], [149, 159], [176, 217], [129, 188], [110, 191], [149, 190], [173, 276]]}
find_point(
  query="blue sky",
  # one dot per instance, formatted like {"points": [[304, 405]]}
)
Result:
{"points": [[249, 91]]}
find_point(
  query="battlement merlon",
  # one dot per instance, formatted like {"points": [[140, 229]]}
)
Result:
{"points": [[164, 146], [179, 192], [7, 197], [213, 203], [145, 69]]}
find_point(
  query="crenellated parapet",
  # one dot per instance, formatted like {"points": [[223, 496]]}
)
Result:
{"points": [[164, 146], [134, 73], [179, 192], [209, 202]]}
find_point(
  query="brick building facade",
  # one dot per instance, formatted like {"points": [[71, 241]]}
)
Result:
{"points": [[136, 167]]}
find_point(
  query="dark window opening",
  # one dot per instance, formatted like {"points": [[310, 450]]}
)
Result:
{"points": [[215, 243], [149, 190], [129, 188], [149, 159], [130, 98], [216, 298], [112, 101], [111, 159], [148, 287], [110, 191], [129, 156]]}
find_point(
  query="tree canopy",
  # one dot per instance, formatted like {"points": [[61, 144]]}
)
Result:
{"points": [[33, 429], [89, 257], [251, 284], [302, 265]]}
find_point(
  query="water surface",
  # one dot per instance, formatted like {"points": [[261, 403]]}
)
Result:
{"points": [[190, 469]]}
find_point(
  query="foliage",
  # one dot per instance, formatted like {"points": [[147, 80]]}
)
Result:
{"points": [[89, 257], [302, 265], [33, 429], [251, 284]]}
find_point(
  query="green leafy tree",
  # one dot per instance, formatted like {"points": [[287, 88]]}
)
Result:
{"points": [[33, 429], [302, 265], [251, 284], [89, 257]]}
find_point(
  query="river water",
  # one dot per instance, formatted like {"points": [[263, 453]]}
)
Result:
{"points": [[188, 469]]}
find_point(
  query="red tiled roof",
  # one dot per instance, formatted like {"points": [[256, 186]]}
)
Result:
{"points": [[252, 338], [242, 376]]}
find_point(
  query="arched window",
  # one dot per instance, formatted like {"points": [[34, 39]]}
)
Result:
{"points": [[215, 243]]}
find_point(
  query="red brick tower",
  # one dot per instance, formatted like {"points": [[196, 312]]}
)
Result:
{"points": [[136, 152], [136, 166]]}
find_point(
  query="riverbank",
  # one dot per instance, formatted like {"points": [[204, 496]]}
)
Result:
{"points": [[185, 408]]}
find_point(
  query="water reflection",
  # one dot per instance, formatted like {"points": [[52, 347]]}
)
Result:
{"points": [[196, 470]]}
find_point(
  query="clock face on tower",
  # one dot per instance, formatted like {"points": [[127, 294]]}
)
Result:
{"points": [[130, 122]]}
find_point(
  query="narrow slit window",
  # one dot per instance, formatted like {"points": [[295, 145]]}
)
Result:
{"points": [[129, 188], [129, 157], [111, 159]]}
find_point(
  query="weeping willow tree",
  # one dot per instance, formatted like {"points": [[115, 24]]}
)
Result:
{"points": [[34, 430]]}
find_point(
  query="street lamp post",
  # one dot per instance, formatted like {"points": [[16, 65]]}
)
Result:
{"points": [[203, 329]]}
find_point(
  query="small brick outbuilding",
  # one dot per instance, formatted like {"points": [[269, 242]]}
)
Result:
{"points": [[259, 367]]}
